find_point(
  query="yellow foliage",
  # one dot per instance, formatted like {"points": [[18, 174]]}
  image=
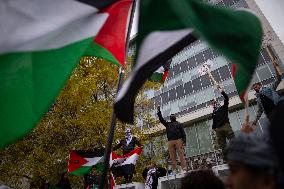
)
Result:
{"points": [[78, 119]]}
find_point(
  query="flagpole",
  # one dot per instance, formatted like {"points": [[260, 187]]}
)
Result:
{"points": [[113, 117]]}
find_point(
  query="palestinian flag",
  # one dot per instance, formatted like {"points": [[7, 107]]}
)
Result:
{"points": [[165, 30], [81, 162], [41, 43], [161, 74], [124, 164]]}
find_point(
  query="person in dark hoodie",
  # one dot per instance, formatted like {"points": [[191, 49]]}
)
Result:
{"points": [[176, 140], [221, 124]]}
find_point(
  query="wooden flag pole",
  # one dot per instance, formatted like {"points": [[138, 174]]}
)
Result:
{"points": [[274, 62], [212, 79], [113, 117]]}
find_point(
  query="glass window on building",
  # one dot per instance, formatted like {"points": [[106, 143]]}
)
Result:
{"points": [[225, 73], [196, 84], [186, 76], [191, 62], [175, 60], [166, 110], [180, 91], [190, 52], [172, 94], [176, 69], [199, 58], [204, 139], [234, 121], [190, 100], [165, 97], [194, 73], [191, 141], [171, 83], [209, 94], [228, 3], [205, 80], [263, 72], [184, 66], [218, 62], [208, 54], [199, 97], [217, 93], [188, 88], [174, 107], [230, 87], [178, 80], [182, 104], [171, 74], [216, 75], [200, 47]]}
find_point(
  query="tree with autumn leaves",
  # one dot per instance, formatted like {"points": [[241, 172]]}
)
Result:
{"points": [[78, 119]]}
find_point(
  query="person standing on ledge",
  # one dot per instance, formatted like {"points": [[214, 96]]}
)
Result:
{"points": [[221, 124], [176, 139]]}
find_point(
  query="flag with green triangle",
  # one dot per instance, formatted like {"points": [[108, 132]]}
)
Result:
{"points": [[82, 161], [41, 43], [167, 29]]}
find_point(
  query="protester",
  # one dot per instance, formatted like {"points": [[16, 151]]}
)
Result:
{"points": [[64, 182], [267, 98], [151, 175], [201, 179], [252, 163], [176, 140], [128, 144], [221, 124]]}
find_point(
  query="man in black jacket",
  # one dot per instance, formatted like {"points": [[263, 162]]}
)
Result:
{"points": [[128, 144], [176, 140], [221, 124]]}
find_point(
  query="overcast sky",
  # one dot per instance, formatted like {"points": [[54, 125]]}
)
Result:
{"points": [[272, 9]]}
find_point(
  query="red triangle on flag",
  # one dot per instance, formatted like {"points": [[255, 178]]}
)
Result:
{"points": [[112, 35], [75, 161]]}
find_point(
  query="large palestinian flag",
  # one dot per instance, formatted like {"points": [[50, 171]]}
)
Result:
{"points": [[41, 42], [165, 30], [81, 161]]}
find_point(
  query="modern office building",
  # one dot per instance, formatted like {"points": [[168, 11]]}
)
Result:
{"points": [[187, 94]]}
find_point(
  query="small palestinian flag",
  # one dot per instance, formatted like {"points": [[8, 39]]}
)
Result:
{"points": [[81, 162], [161, 74]]}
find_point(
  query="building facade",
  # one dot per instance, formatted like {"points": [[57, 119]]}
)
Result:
{"points": [[187, 94]]}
